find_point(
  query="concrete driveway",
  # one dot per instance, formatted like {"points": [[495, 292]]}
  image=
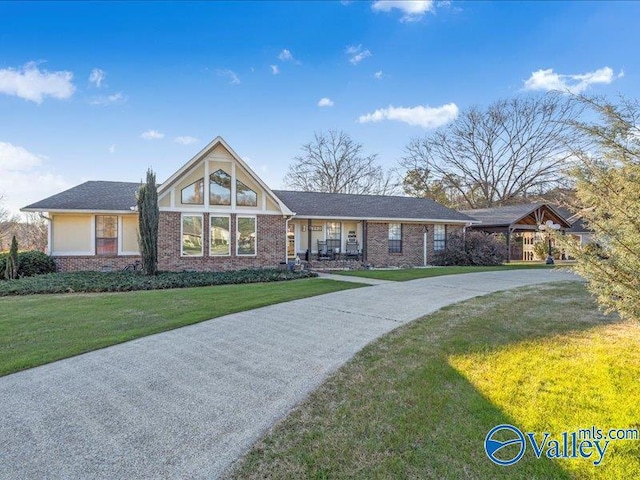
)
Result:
{"points": [[187, 403]]}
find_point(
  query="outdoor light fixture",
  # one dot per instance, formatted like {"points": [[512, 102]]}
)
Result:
{"points": [[549, 227]]}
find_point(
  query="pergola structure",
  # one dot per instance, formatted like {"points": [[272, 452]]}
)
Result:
{"points": [[514, 219]]}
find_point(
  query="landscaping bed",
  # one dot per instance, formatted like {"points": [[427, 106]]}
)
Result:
{"points": [[129, 281]]}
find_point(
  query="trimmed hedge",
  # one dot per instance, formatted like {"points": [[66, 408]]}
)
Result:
{"points": [[31, 262], [129, 281]]}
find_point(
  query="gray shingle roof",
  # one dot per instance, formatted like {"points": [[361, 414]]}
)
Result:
{"points": [[337, 205], [91, 196], [502, 215], [121, 196]]}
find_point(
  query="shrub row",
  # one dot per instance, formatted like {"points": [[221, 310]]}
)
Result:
{"points": [[472, 248], [32, 262], [129, 281]]}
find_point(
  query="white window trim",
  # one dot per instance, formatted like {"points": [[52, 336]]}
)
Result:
{"points": [[444, 228], [182, 234], [118, 235], [255, 219], [211, 217]]}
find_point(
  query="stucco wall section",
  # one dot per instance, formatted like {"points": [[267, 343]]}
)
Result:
{"points": [[130, 234], [72, 234]]}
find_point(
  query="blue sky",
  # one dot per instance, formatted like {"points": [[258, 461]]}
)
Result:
{"points": [[101, 91]]}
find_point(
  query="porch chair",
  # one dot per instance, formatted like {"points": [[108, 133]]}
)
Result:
{"points": [[333, 247], [323, 251], [352, 250]]}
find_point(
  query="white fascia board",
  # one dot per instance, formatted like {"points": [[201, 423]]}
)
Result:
{"points": [[384, 219], [97, 212]]}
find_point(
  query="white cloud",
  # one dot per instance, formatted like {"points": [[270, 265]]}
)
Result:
{"points": [[14, 158], [274, 69], [231, 75], [286, 56], [24, 180], [112, 148], [325, 102], [117, 97], [548, 80], [357, 53], [378, 75], [31, 83], [152, 135], [97, 76], [185, 140], [422, 116], [413, 10]]}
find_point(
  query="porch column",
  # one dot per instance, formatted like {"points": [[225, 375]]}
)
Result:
{"points": [[364, 240], [509, 244], [309, 240]]}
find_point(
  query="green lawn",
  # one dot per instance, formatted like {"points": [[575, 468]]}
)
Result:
{"points": [[405, 274], [39, 329], [419, 402]]}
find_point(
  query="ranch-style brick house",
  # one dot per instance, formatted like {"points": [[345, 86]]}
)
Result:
{"points": [[217, 214]]}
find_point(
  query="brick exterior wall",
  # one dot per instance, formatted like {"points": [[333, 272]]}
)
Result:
{"points": [[271, 248], [271, 245], [93, 263], [412, 244]]}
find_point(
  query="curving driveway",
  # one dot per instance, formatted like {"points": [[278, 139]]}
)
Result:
{"points": [[187, 403]]}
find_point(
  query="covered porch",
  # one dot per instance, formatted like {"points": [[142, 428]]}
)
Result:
{"points": [[316, 239], [520, 224]]}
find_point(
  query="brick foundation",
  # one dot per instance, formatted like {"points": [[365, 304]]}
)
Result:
{"points": [[93, 263]]}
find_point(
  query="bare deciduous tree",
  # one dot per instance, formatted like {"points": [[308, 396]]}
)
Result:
{"points": [[334, 163], [485, 158]]}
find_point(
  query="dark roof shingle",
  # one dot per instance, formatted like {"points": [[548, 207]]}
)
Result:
{"points": [[342, 205], [502, 215], [94, 195]]}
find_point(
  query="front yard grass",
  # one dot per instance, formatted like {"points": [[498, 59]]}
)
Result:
{"points": [[39, 329], [419, 402], [405, 274]]}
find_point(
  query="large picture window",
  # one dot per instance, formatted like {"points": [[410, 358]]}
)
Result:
{"points": [[220, 188], [106, 234], [220, 236], [193, 194], [192, 235], [395, 238], [246, 238], [439, 237], [245, 197]]}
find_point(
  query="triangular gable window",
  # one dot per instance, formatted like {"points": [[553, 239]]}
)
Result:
{"points": [[193, 194], [245, 197], [219, 188]]}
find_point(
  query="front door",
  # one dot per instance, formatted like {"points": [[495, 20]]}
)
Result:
{"points": [[291, 241]]}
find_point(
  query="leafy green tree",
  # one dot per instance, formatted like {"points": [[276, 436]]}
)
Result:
{"points": [[148, 220], [608, 197], [11, 271]]}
